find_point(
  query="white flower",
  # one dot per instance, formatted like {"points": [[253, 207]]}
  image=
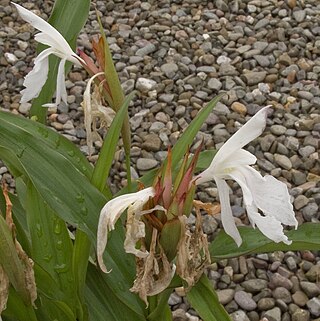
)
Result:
{"points": [[93, 111], [111, 212], [265, 193], [58, 46]]}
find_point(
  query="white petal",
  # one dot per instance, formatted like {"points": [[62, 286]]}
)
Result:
{"points": [[136, 229], [271, 196], [223, 169], [43, 26], [238, 176], [269, 226], [229, 151], [36, 78], [61, 93], [86, 104], [111, 212], [248, 132], [226, 212]]}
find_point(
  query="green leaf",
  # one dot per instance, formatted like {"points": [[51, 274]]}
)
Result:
{"points": [[51, 245], [159, 307], [102, 168], [54, 310], [68, 17], [48, 137], [103, 304], [204, 300], [117, 98], [205, 159], [17, 310], [80, 260], [306, 237], [69, 194]]}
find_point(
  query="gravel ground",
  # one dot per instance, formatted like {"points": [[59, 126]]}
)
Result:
{"points": [[178, 55]]}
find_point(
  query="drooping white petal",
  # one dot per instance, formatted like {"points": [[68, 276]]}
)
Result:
{"points": [[88, 112], [45, 27], [271, 196], [58, 46], [231, 152], [61, 93], [111, 212], [135, 229], [268, 225], [37, 77], [226, 212]]}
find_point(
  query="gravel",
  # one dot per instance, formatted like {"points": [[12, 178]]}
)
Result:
{"points": [[178, 56]]}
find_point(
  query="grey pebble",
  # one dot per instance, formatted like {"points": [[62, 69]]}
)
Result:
{"points": [[300, 202], [273, 314], [225, 296], [310, 212], [245, 301], [239, 316], [310, 289], [145, 164], [301, 315], [314, 306], [278, 130], [254, 285], [283, 161]]}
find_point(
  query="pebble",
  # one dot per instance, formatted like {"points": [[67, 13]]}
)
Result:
{"points": [[214, 84], [145, 85], [145, 164], [313, 274], [254, 285], [254, 77], [310, 212], [225, 296], [239, 316], [283, 161], [314, 306], [301, 315], [169, 69], [266, 304], [273, 314], [300, 202], [245, 301], [239, 108], [278, 130], [310, 289], [300, 298]]}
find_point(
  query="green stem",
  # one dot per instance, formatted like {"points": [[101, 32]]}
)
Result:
{"points": [[128, 169]]}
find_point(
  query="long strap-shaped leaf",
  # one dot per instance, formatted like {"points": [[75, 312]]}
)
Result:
{"points": [[306, 237], [204, 300]]}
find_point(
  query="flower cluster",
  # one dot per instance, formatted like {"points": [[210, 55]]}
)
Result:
{"points": [[93, 104], [156, 216]]}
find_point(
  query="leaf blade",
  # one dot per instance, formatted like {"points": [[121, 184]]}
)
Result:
{"points": [[306, 237], [205, 301]]}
